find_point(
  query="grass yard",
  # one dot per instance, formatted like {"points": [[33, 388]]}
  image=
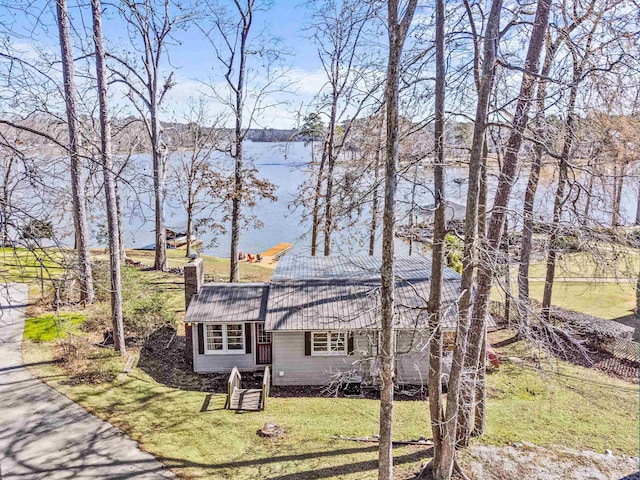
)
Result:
{"points": [[29, 266], [605, 300], [581, 265], [565, 406], [49, 326], [561, 404], [215, 267]]}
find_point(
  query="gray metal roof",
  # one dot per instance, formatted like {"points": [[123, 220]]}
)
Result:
{"points": [[353, 268], [229, 302], [323, 293], [349, 305]]}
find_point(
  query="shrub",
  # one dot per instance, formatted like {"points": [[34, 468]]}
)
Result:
{"points": [[453, 250], [145, 314]]}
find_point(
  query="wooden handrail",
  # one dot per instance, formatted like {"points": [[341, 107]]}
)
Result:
{"points": [[266, 386], [234, 382]]}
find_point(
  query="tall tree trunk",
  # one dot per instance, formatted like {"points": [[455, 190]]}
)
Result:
{"points": [[6, 202], [109, 183], [532, 186], [617, 199], [412, 206], [507, 273], [189, 227], [559, 199], [159, 170], [238, 157], [79, 209], [397, 29], [375, 201], [123, 253], [482, 194], [486, 266], [449, 427], [331, 155], [316, 202], [439, 232]]}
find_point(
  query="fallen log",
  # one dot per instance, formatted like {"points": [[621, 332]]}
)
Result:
{"points": [[420, 441]]}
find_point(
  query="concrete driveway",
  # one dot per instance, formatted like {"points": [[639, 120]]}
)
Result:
{"points": [[45, 435]]}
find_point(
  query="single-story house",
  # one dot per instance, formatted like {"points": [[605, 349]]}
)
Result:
{"points": [[318, 318]]}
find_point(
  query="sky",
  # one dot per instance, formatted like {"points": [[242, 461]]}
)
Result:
{"points": [[192, 58]]}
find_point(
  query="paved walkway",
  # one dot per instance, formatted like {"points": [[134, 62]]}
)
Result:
{"points": [[45, 435]]}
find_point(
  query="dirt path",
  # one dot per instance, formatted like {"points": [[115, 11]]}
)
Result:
{"points": [[530, 462], [43, 434]]}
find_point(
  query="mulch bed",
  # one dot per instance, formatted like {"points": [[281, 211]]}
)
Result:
{"points": [[169, 366]]}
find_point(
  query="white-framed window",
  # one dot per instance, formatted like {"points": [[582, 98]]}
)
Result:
{"points": [[328, 343], [263, 335], [224, 338]]}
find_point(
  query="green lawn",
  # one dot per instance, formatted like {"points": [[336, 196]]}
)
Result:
{"points": [[561, 404], [29, 266], [580, 409], [215, 267], [607, 265], [49, 326], [605, 300]]}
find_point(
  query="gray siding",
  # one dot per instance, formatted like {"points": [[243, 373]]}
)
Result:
{"points": [[412, 358], [301, 369], [222, 363]]}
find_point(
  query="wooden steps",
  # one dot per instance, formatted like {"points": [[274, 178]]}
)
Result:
{"points": [[246, 399], [250, 399]]}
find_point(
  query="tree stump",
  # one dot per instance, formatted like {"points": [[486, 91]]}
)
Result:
{"points": [[271, 430]]}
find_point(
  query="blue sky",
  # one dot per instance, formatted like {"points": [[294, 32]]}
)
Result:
{"points": [[192, 60]]}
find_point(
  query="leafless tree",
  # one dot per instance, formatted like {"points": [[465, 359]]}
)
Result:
{"points": [[488, 252], [339, 31], [236, 41], [438, 257], [151, 24], [109, 181], [79, 207], [398, 22], [200, 184]]}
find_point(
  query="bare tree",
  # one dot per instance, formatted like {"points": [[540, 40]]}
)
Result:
{"points": [[438, 257], [199, 185], [79, 207], [340, 32], [109, 182], [235, 43], [489, 252], [580, 58], [150, 25], [398, 27], [444, 469]]}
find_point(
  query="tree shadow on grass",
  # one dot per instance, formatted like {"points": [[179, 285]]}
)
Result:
{"points": [[330, 471]]}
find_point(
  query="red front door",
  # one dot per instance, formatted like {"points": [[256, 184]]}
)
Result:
{"points": [[263, 345]]}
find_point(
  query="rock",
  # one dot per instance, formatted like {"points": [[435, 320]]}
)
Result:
{"points": [[517, 444], [271, 430], [608, 452]]}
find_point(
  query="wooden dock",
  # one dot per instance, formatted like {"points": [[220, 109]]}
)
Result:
{"points": [[277, 251]]}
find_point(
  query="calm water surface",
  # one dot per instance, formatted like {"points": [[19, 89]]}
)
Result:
{"points": [[286, 165]]}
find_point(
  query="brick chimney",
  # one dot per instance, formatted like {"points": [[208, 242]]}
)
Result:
{"points": [[193, 280]]}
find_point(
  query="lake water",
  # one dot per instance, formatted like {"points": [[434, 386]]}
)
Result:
{"points": [[286, 165]]}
